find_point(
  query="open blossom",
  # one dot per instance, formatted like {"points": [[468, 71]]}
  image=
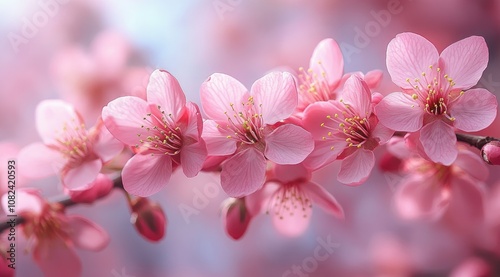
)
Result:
{"points": [[246, 127], [288, 196], [347, 128], [165, 130], [324, 79], [68, 148], [436, 95], [53, 235]]}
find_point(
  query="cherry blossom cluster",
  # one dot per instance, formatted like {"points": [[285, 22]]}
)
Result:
{"points": [[266, 142]]}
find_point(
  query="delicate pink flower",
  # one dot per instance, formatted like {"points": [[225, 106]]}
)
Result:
{"points": [[246, 126], [491, 152], [429, 189], [165, 130], [53, 235], [235, 217], [68, 148], [148, 218], [324, 79], [473, 267], [347, 128], [435, 97], [288, 196]]}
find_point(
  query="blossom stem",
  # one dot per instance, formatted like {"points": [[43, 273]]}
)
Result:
{"points": [[65, 201]]}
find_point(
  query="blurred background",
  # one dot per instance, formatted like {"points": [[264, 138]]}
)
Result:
{"points": [[89, 52]]}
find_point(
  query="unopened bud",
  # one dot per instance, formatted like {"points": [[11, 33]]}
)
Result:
{"points": [[148, 218], [491, 152], [235, 217]]}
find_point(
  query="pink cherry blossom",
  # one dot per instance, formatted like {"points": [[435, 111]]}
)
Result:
{"points": [[436, 98], [324, 79], [53, 235], [288, 196], [429, 189], [246, 126], [165, 130], [347, 128], [68, 148]]}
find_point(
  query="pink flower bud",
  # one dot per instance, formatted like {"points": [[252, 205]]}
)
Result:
{"points": [[99, 188], [491, 152], [148, 218], [235, 217]]}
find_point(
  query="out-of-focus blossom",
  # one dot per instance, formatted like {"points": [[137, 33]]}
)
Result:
{"points": [[246, 127], [436, 96], [288, 196], [235, 217], [53, 235], [148, 218], [165, 131], [68, 148], [347, 128], [99, 188], [5, 259], [89, 79], [491, 152], [473, 267], [429, 189], [390, 257]]}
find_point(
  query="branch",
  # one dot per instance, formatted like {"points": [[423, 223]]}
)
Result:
{"points": [[64, 201]]}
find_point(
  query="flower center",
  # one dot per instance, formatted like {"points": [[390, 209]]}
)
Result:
{"points": [[289, 200], [314, 88], [163, 136], [244, 126], [74, 143]]}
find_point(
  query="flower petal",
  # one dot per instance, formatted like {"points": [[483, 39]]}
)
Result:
{"points": [[400, 112], [471, 163], [221, 93], [53, 117], [316, 116], [29, 202], [56, 258], [439, 142], [124, 117], [100, 187], [464, 61], [164, 90], [356, 167], [144, 175], [475, 110], [82, 176], [244, 173], [324, 153], [292, 222], [408, 55], [217, 143], [276, 96], [192, 123], [321, 197], [373, 78], [357, 95], [288, 144], [192, 158], [381, 133], [235, 218], [467, 201], [85, 234], [105, 145], [327, 60], [40, 160]]}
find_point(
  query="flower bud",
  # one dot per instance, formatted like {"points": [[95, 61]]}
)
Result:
{"points": [[235, 217], [148, 218], [491, 152]]}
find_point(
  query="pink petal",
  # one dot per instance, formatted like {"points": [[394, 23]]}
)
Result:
{"points": [[316, 114], [356, 167], [192, 158], [381, 133], [105, 145], [418, 196], [85, 234], [327, 60], [288, 144], [400, 112], [82, 176], [124, 117], [373, 78], [475, 110], [144, 174], [28, 201], [192, 123], [467, 201], [217, 143], [56, 258], [238, 180], [258, 202], [276, 96], [222, 93], [474, 266], [236, 218], [99, 188], [321, 197], [472, 164], [439, 142], [292, 222], [464, 61], [288, 173], [408, 55], [164, 90], [40, 161], [323, 154], [52, 117], [357, 95]]}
